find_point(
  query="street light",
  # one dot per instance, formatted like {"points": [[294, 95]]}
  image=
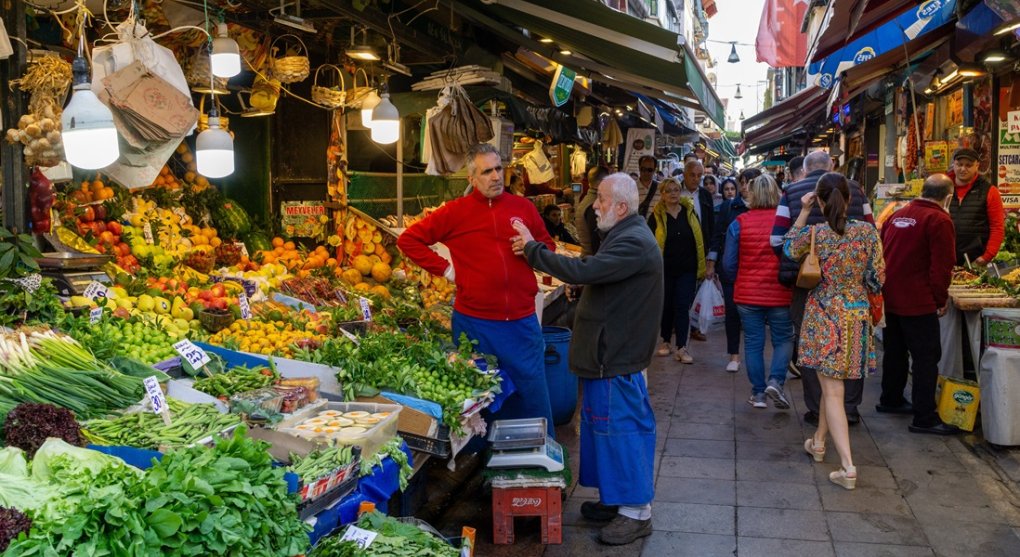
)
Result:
{"points": [[741, 115], [733, 59], [738, 95]]}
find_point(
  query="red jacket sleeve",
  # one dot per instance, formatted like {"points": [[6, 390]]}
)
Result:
{"points": [[942, 253], [996, 224], [415, 242]]}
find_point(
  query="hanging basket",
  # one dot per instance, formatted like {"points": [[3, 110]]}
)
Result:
{"points": [[198, 74], [329, 97], [293, 66], [357, 94], [264, 93]]}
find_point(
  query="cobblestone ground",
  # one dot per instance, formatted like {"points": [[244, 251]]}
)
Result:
{"points": [[734, 480]]}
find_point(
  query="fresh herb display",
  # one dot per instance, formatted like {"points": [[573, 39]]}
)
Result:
{"points": [[238, 380], [23, 306], [29, 425], [12, 524], [394, 539], [190, 423], [318, 463], [228, 500], [393, 449]]}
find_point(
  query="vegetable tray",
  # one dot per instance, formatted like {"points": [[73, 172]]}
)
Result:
{"points": [[322, 493], [438, 446]]}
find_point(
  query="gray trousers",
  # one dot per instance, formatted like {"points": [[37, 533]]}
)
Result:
{"points": [[853, 389]]}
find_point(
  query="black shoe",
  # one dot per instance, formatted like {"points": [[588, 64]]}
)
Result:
{"points": [[811, 417], [794, 370], [623, 530], [905, 408], [853, 419], [937, 429], [595, 510]]}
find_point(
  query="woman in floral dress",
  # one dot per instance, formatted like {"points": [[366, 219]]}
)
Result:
{"points": [[836, 336]]}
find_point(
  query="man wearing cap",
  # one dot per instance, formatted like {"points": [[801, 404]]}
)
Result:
{"points": [[977, 211]]}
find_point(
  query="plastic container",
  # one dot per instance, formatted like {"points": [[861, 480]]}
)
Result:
{"points": [[562, 384], [374, 436], [958, 402]]}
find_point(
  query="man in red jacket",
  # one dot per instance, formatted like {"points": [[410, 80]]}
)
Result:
{"points": [[919, 246], [495, 299], [977, 211]]}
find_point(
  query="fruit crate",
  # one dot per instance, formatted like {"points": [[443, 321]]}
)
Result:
{"points": [[369, 440], [437, 446]]}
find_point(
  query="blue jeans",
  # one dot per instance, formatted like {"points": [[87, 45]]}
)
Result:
{"points": [[754, 319]]}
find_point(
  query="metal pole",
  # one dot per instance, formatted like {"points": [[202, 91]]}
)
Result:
{"points": [[13, 106], [400, 176]]}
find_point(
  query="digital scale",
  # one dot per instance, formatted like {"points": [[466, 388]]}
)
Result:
{"points": [[524, 444], [72, 272]]}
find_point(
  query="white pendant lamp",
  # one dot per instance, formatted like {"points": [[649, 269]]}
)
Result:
{"points": [[226, 57], [87, 128], [385, 121], [368, 104], [214, 149]]}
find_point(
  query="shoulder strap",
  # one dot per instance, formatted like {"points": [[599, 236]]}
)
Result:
{"points": [[813, 240], [643, 208]]}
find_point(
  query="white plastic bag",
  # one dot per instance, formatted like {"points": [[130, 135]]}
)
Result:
{"points": [[709, 308]]}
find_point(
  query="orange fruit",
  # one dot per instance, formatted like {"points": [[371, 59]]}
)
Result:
{"points": [[277, 242]]}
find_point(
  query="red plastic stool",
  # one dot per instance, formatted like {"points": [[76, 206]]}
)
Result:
{"points": [[510, 502]]}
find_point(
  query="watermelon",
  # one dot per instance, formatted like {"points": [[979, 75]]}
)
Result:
{"points": [[230, 219], [256, 240]]}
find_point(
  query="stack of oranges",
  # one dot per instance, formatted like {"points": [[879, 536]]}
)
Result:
{"points": [[92, 191], [286, 253], [166, 179]]}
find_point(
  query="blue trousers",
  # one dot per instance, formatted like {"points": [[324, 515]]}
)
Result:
{"points": [[754, 320], [618, 439], [520, 349]]}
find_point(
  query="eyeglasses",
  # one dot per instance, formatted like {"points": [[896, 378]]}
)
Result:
{"points": [[648, 169]]}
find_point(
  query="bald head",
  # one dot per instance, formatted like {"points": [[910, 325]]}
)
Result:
{"points": [[817, 160], [937, 187], [693, 171]]}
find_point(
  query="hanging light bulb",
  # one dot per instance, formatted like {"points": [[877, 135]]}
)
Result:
{"points": [[741, 115], [368, 104], [226, 57], [385, 121], [88, 131], [738, 95], [733, 59], [214, 149]]}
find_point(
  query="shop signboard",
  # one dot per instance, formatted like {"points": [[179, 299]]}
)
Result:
{"points": [[1007, 167], [305, 219], [561, 86], [640, 142]]}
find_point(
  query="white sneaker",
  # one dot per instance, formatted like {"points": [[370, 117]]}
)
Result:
{"points": [[663, 349], [733, 366]]}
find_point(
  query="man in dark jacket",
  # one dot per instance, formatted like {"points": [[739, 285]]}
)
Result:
{"points": [[616, 326], [919, 249], [704, 207], [816, 164], [977, 211]]}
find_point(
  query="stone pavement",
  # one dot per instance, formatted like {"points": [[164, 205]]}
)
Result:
{"points": [[734, 480]]}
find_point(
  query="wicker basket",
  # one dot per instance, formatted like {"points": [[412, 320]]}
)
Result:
{"points": [[357, 94], [198, 75], [293, 66], [329, 97]]}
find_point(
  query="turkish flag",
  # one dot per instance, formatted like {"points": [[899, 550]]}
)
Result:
{"points": [[780, 43]]}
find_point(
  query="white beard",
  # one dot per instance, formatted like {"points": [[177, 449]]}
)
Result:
{"points": [[606, 222]]}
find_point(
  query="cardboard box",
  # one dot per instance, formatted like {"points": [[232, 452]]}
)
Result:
{"points": [[411, 420]]}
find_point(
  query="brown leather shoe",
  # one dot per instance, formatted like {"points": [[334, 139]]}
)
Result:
{"points": [[623, 530], [698, 335]]}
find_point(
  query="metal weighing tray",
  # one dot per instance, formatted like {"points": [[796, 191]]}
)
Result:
{"points": [[64, 260], [509, 435]]}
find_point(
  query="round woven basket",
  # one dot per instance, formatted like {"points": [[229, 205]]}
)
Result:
{"points": [[198, 72], [329, 97], [357, 94], [293, 66]]}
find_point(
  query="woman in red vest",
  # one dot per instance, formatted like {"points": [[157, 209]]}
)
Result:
{"points": [[748, 261]]}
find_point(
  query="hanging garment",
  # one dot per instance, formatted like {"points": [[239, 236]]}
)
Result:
{"points": [[578, 161], [539, 168]]}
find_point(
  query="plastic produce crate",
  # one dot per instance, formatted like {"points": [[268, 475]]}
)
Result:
{"points": [[370, 440]]}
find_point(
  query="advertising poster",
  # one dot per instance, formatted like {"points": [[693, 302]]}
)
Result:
{"points": [[955, 108], [306, 219], [936, 156], [640, 142], [1006, 170]]}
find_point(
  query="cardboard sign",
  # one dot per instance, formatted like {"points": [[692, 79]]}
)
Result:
{"points": [[360, 536], [156, 397]]}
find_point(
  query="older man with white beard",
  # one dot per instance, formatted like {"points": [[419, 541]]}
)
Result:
{"points": [[615, 330]]}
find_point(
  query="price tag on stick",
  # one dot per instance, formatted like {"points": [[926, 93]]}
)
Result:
{"points": [[242, 302], [96, 290], [147, 233], [192, 354], [363, 538], [159, 405], [95, 314], [366, 308]]}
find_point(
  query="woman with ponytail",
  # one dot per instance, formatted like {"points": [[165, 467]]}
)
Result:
{"points": [[836, 335]]}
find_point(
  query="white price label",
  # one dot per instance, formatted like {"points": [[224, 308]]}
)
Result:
{"points": [[242, 302], [366, 308], [155, 394], [180, 212], [191, 353], [147, 232], [96, 290], [95, 315], [243, 248], [360, 536]]}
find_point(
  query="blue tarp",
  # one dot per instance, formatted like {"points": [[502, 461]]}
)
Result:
{"points": [[909, 25]]}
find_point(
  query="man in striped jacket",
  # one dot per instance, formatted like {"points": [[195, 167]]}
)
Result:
{"points": [[816, 164]]}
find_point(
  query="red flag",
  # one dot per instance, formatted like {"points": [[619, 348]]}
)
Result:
{"points": [[780, 43]]}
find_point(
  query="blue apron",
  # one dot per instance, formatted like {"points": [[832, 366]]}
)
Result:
{"points": [[520, 348], [618, 439]]}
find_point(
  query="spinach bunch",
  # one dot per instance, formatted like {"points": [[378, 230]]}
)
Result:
{"points": [[395, 539]]}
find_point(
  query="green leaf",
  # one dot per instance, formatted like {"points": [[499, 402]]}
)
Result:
{"points": [[6, 260], [165, 523]]}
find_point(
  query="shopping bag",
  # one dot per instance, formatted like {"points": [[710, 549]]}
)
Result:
{"points": [[709, 308]]}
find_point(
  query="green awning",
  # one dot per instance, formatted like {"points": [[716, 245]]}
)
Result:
{"points": [[626, 51]]}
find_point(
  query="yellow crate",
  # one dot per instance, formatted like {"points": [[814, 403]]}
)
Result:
{"points": [[958, 402]]}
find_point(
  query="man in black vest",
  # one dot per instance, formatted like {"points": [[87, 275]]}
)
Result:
{"points": [[648, 187], [977, 211]]}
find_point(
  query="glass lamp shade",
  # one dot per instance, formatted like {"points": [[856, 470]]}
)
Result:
{"points": [[88, 132], [214, 151], [385, 121], [368, 104], [226, 57]]}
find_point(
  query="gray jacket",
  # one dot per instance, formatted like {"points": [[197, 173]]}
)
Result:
{"points": [[616, 324]]}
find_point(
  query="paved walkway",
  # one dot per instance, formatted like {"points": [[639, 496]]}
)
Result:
{"points": [[734, 480]]}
